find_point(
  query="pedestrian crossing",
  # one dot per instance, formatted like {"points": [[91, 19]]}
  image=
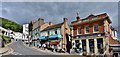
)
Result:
{"points": [[16, 53]]}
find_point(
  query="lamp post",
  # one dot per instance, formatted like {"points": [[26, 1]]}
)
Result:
{"points": [[3, 40]]}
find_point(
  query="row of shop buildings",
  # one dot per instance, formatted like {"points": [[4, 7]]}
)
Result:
{"points": [[93, 34]]}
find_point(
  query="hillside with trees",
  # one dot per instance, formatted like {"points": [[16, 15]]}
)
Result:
{"points": [[8, 24]]}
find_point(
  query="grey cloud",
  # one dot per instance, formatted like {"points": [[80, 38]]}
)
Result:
{"points": [[60, 0], [24, 12]]}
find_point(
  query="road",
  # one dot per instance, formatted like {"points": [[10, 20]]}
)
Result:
{"points": [[20, 49]]}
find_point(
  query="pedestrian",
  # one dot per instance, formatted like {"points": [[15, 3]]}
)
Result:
{"points": [[74, 47], [39, 45], [59, 48], [44, 46], [52, 48]]}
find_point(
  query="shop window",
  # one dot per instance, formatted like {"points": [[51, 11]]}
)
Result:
{"points": [[100, 45], [55, 31], [77, 43], [91, 45], [96, 28], [83, 45]]}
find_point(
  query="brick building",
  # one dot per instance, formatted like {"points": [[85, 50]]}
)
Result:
{"points": [[93, 33], [36, 28]]}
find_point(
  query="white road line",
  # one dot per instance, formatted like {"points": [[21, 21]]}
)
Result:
{"points": [[15, 53]]}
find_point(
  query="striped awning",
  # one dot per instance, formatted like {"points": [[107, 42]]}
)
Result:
{"points": [[42, 38], [55, 36]]}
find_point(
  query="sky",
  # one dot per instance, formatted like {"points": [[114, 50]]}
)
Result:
{"points": [[24, 12]]}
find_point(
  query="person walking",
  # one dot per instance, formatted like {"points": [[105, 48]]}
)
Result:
{"points": [[39, 45], [52, 48], [44, 46]]}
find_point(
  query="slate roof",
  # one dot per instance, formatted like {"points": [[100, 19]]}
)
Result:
{"points": [[99, 17]]}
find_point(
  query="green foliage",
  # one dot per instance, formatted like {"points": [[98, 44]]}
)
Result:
{"points": [[7, 24], [5, 37]]}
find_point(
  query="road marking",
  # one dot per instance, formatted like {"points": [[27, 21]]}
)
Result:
{"points": [[16, 53]]}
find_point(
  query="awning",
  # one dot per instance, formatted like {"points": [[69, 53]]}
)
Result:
{"points": [[52, 43], [42, 38], [54, 40], [55, 36]]}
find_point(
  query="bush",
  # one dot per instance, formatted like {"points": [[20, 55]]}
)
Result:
{"points": [[6, 38]]}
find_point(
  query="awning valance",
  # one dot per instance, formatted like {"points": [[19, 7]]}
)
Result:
{"points": [[55, 36], [54, 40]]}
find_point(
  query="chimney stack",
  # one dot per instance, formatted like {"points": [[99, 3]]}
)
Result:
{"points": [[41, 21], [50, 23], [78, 18], [65, 19]]}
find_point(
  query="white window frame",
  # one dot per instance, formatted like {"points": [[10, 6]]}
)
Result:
{"points": [[78, 32], [85, 30], [94, 28]]}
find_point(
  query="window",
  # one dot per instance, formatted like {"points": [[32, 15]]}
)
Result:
{"points": [[96, 28], [87, 29], [79, 30], [55, 31], [48, 33]]}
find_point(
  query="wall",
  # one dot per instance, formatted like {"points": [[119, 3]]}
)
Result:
{"points": [[91, 28], [52, 32]]}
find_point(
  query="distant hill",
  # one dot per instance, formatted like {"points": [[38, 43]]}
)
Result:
{"points": [[8, 24]]}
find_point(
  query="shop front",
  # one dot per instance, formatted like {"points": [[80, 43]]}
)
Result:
{"points": [[43, 39], [55, 39]]}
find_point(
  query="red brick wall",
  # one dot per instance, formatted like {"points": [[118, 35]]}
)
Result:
{"points": [[100, 28]]}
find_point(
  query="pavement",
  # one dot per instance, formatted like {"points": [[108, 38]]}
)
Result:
{"points": [[6, 50], [48, 51]]}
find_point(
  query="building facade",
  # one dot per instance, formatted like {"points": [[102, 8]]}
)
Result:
{"points": [[37, 27], [92, 33], [17, 36], [25, 32], [7, 32], [56, 34]]}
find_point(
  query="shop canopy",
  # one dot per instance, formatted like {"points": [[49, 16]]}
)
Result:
{"points": [[55, 36], [53, 43], [43, 38]]}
